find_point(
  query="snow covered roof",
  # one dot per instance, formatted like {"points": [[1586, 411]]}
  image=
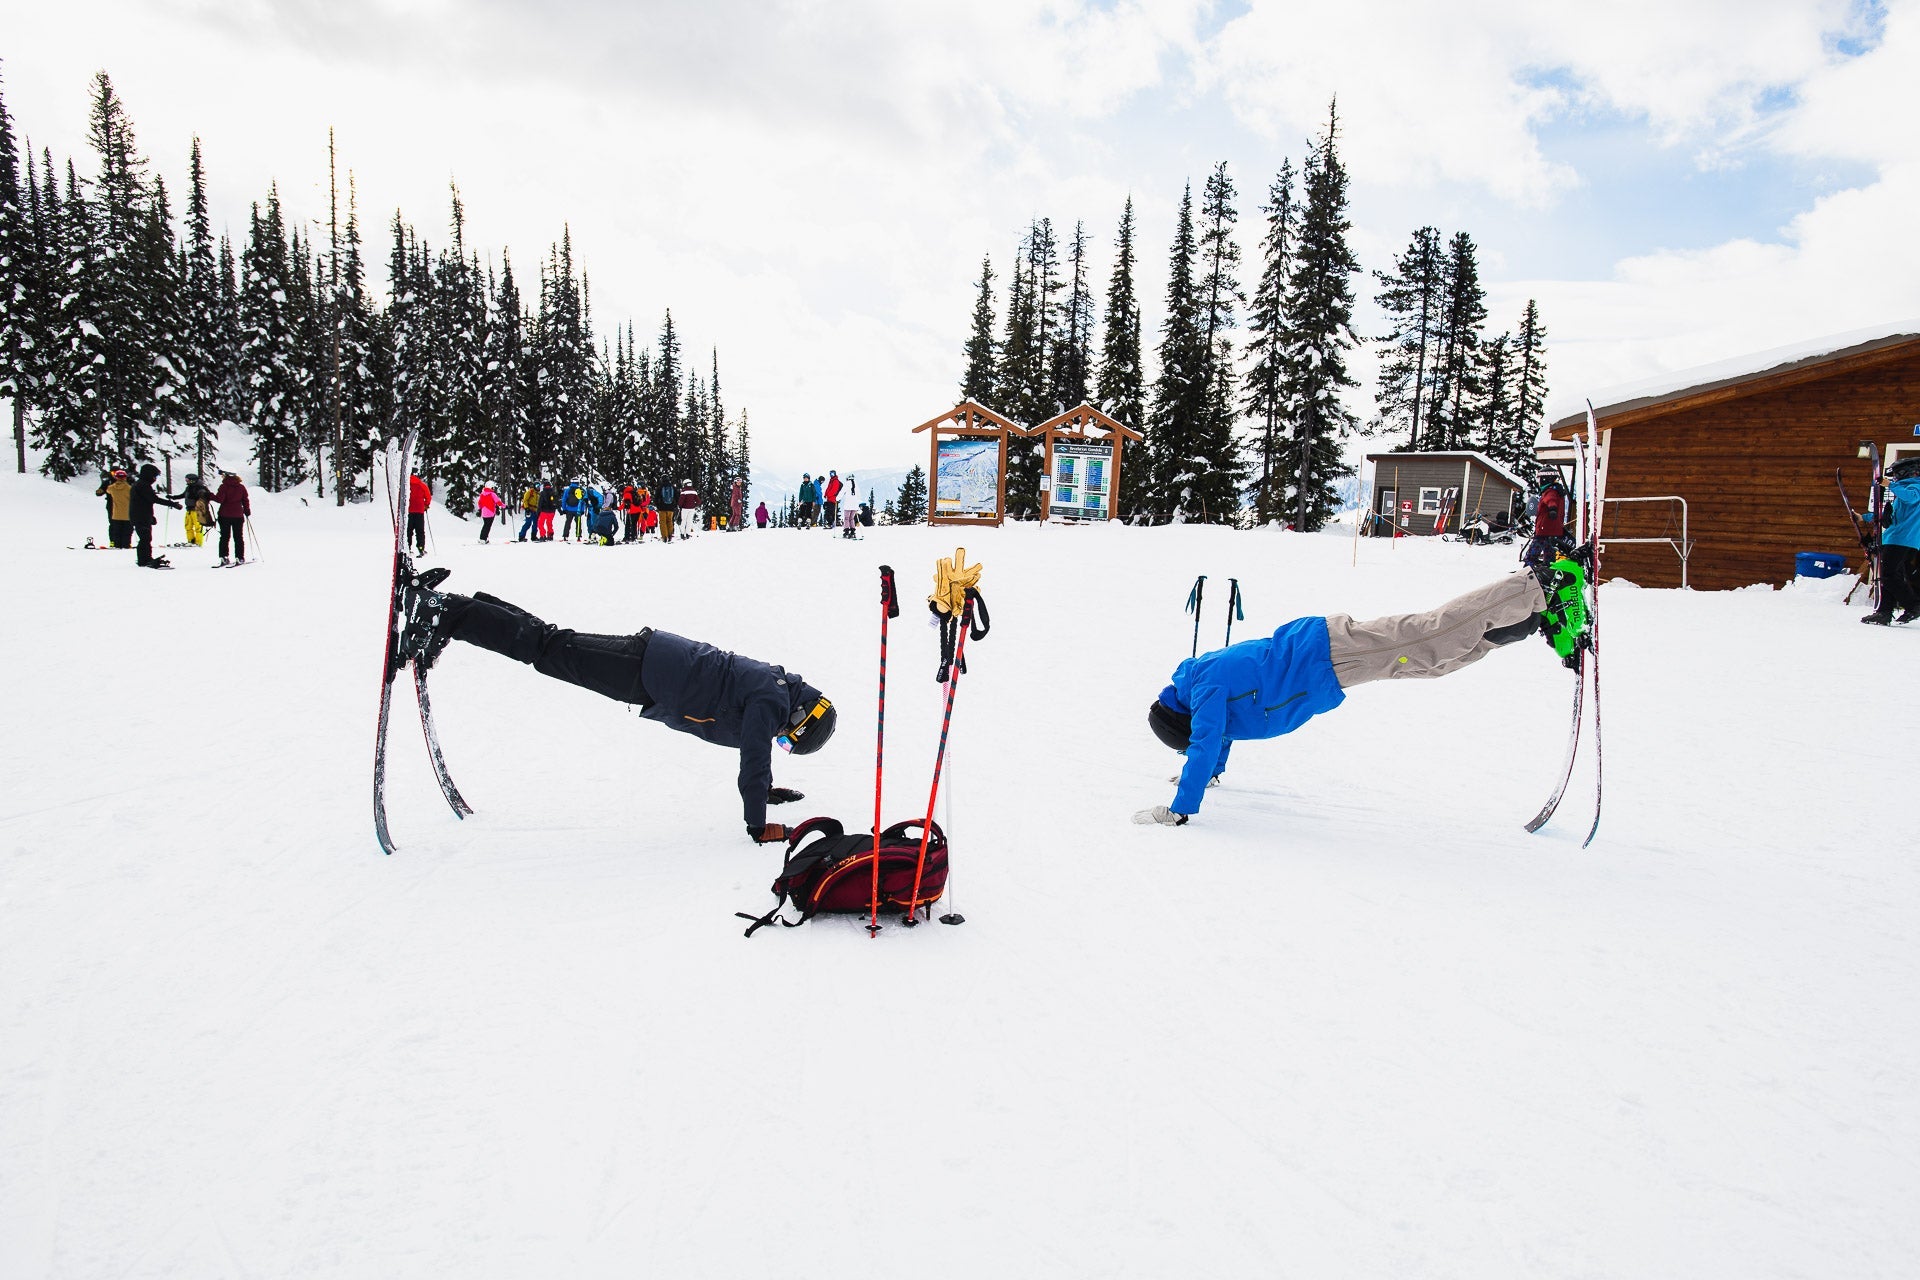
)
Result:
{"points": [[1571, 410], [1476, 455]]}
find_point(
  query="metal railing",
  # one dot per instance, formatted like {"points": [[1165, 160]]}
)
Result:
{"points": [[1683, 547]]}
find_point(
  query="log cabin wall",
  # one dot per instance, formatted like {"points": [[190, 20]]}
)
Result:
{"points": [[1756, 469]]}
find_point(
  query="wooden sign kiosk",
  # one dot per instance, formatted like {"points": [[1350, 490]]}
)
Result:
{"points": [[1081, 480], [967, 465]]}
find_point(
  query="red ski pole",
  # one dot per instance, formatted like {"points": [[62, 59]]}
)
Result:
{"points": [[889, 608]]}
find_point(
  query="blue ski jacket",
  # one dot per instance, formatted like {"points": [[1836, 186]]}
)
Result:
{"points": [[570, 504], [1904, 529], [1254, 689], [724, 699]]}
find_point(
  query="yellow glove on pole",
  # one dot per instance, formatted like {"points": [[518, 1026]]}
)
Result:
{"points": [[951, 579]]}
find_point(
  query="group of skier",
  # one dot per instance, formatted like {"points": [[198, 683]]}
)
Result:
{"points": [[132, 513], [819, 504], [588, 514]]}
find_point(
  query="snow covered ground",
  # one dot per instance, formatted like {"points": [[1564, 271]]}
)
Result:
{"points": [[1350, 1022]]}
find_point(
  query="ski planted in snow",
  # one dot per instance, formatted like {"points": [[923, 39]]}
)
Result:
{"points": [[399, 467]]}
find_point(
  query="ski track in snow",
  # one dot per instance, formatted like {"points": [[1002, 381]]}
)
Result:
{"points": [[1352, 1021]]}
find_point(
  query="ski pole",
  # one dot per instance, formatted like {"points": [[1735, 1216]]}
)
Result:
{"points": [[252, 536], [940, 757], [1195, 598], [889, 608], [1233, 607]]}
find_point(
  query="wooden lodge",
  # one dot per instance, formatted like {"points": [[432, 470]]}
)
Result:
{"points": [[1428, 493], [1715, 478]]}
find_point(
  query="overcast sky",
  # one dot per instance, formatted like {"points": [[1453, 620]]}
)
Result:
{"points": [[810, 185]]}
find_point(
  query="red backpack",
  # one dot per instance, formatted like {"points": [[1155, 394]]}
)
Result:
{"points": [[833, 872]]}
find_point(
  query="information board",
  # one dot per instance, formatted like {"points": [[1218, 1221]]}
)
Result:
{"points": [[1081, 475], [967, 477]]}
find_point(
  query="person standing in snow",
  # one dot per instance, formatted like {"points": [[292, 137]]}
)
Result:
{"points": [[489, 507], [235, 507], [808, 496], [198, 500], [118, 491], [830, 497], [629, 507], [529, 512], [760, 516], [573, 506], [1271, 686], [737, 505], [720, 697], [419, 498], [689, 504], [140, 505], [549, 503], [1899, 522]]}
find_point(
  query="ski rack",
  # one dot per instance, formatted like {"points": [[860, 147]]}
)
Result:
{"points": [[1682, 548]]}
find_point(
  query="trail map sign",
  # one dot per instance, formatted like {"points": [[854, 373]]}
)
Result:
{"points": [[967, 465]]}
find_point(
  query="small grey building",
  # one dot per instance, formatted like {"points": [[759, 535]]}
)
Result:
{"points": [[1429, 493]]}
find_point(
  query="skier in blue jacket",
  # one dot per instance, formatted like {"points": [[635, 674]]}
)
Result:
{"points": [[686, 685], [1899, 547], [1271, 686]]}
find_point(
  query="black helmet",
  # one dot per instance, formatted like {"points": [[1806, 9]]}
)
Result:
{"points": [[810, 727], [149, 472], [1905, 469], [1175, 728]]}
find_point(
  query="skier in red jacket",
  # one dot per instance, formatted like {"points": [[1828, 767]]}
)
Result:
{"points": [[419, 498]]}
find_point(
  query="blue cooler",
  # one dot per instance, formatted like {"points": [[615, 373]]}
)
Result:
{"points": [[1819, 564]]}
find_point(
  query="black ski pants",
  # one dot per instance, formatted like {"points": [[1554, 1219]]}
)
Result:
{"points": [[608, 665], [143, 553], [1898, 588], [417, 531], [233, 529]]}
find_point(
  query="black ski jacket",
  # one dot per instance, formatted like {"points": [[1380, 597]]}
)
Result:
{"points": [[145, 498], [725, 699]]}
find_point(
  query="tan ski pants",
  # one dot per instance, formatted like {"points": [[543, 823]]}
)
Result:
{"points": [[1420, 646]]}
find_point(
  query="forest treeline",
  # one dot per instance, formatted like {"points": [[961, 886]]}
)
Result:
{"points": [[126, 338], [1245, 414]]}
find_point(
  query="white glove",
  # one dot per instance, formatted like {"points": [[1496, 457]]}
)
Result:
{"points": [[1162, 815], [1214, 781]]}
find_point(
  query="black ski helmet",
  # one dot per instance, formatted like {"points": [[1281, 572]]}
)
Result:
{"points": [[1175, 728], [812, 724], [149, 472], [1905, 469]]}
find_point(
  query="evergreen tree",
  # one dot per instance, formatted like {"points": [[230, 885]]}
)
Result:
{"points": [[122, 291], [1495, 408], [203, 347], [225, 341], [70, 429], [15, 251], [1121, 388], [1215, 462], [273, 409], [1529, 390], [1321, 293], [1412, 297], [169, 319], [1180, 390], [505, 396], [977, 383], [670, 462], [910, 504], [1457, 387], [1267, 321], [1073, 356]]}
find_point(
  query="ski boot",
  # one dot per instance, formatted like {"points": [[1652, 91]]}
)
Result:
{"points": [[1879, 618], [419, 610], [1565, 621], [1907, 615]]}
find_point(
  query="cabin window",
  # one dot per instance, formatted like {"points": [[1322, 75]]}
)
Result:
{"points": [[1429, 501]]}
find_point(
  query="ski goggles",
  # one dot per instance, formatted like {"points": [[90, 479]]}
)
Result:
{"points": [[806, 721]]}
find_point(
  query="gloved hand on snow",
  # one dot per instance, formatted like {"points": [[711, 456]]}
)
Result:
{"points": [[1162, 815], [772, 833], [783, 795]]}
